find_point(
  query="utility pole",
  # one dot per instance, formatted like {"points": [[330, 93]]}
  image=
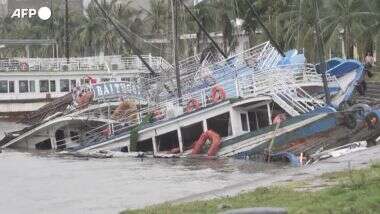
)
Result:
{"points": [[321, 52], [67, 38], [175, 45]]}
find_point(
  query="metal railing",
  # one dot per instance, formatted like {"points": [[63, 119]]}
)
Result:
{"points": [[256, 59], [83, 64], [275, 82]]}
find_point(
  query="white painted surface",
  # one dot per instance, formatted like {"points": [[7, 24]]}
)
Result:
{"points": [[20, 107]]}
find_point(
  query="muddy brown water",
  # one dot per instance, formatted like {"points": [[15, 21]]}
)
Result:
{"points": [[44, 182]]}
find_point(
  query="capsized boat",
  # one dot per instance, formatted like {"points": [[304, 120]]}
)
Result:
{"points": [[237, 98]]}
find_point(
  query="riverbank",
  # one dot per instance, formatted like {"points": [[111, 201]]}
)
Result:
{"points": [[348, 184]]}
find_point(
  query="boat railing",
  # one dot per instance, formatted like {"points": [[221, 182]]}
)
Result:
{"points": [[247, 85], [111, 128], [251, 84], [284, 85], [83, 64], [252, 60], [193, 72], [287, 89], [192, 64], [267, 82], [160, 112]]}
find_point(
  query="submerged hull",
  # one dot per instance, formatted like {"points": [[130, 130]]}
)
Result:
{"points": [[306, 134]]}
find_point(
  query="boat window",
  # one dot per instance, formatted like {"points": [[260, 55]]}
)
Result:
{"points": [[125, 79], [190, 134], [104, 79], [52, 86], [64, 85], [220, 124], [44, 86], [168, 141], [11, 86], [253, 121], [32, 86], [244, 122], [3, 86], [145, 146], [84, 81], [23, 86]]}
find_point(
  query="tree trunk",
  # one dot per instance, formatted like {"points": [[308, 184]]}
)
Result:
{"points": [[348, 43], [377, 47]]}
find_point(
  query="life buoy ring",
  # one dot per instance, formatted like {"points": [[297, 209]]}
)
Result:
{"points": [[91, 80], [360, 110], [84, 99], [218, 94], [158, 115], [24, 66], [193, 105], [106, 132], [372, 120], [350, 121], [215, 143], [279, 119]]}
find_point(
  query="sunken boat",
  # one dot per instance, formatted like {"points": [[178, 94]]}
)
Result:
{"points": [[255, 102]]}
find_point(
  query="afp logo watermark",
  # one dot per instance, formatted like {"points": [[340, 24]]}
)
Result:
{"points": [[44, 13]]}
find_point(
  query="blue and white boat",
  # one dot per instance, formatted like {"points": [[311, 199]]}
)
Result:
{"points": [[238, 98]]}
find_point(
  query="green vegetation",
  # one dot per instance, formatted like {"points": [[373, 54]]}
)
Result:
{"points": [[351, 22], [134, 134], [355, 191]]}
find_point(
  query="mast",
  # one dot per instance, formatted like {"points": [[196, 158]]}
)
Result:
{"points": [[175, 45], [203, 29], [320, 50], [274, 43], [122, 34], [67, 38]]}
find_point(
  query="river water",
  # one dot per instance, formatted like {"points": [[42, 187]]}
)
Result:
{"points": [[33, 182]]}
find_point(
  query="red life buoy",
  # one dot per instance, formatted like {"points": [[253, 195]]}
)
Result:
{"points": [[106, 132], [24, 66], [158, 115], [218, 94], [193, 105], [279, 119], [91, 80], [372, 121], [215, 143]]}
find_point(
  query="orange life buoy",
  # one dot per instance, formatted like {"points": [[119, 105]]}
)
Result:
{"points": [[158, 114], [106, 132], [193, 105], [208, 135], [84, 99], [279, 119], [218, 94], [24, 66]]}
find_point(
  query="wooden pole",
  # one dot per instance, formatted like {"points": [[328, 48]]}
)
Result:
{"points": [[204, 30], [269, 35], [175, 45], [67, 37], [127, 42], [321, 52]]}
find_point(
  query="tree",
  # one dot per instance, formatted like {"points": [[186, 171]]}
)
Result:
{"points": [[346, 17]]}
